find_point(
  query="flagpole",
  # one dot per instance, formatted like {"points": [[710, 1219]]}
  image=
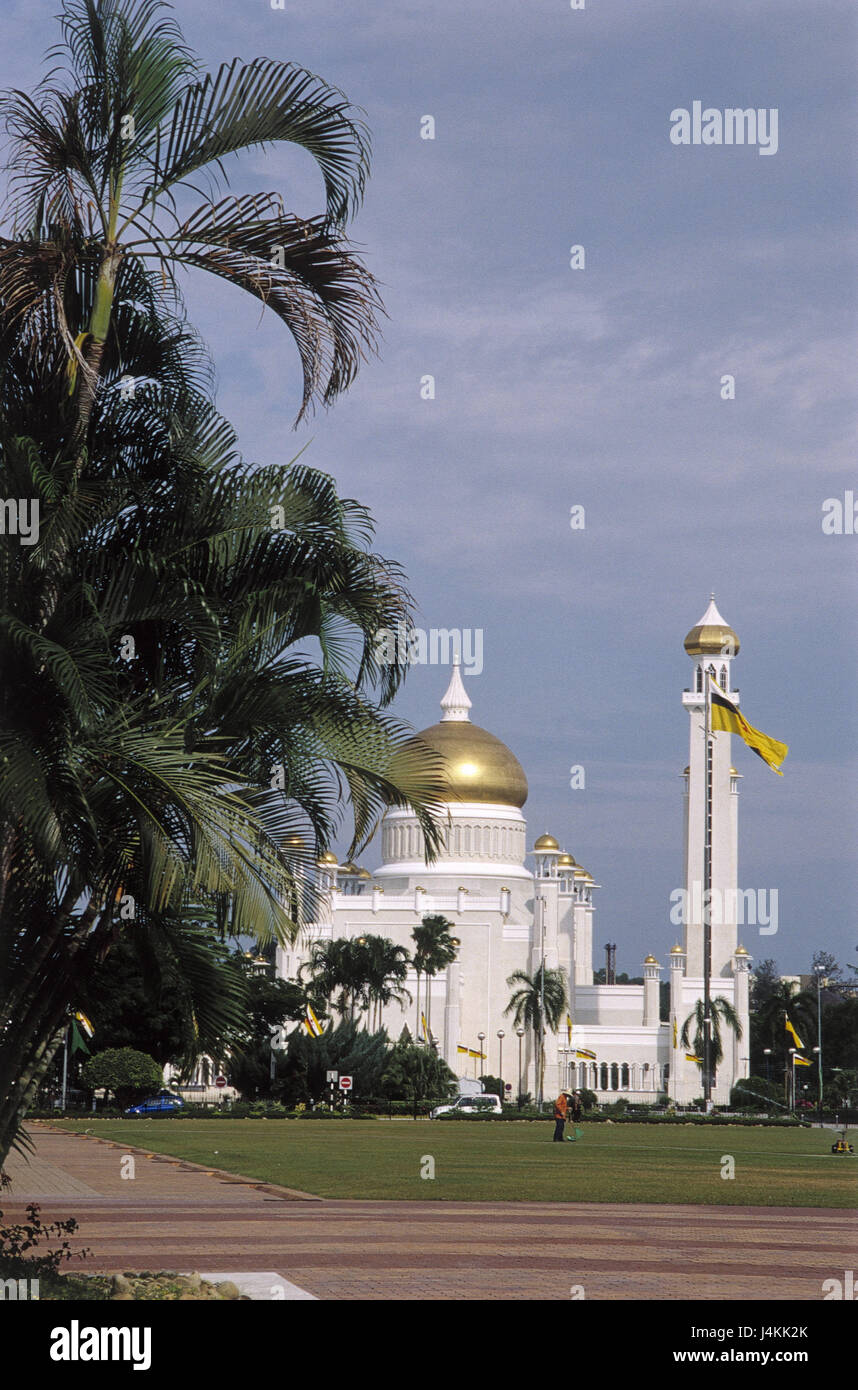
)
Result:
{"points": [[65, 1066], [707, 900]]}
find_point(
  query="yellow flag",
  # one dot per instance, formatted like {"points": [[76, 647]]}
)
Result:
{"points": [[725, 718], [690, 1057], [585, 1054], [802, 1061], [312, 1024], [568, 1028], [796, 1039], [84, 1022]]}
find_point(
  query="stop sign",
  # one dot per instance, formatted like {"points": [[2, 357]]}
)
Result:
{"points": [[220, 1081], [345, 1083]]}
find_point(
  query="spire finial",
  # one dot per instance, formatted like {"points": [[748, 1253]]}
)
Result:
{"points": [[455, 702]]}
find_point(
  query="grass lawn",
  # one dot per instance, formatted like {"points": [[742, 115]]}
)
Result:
{"points": [[485, 1162]]}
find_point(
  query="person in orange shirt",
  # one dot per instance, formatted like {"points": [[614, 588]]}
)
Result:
{"points": [[560, 1108]]}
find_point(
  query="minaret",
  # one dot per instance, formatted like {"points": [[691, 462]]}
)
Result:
{"points": [[712, 645]]}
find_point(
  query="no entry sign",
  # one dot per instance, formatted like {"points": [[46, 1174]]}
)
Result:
{"points": [[345, 1083], [220, 1081]]}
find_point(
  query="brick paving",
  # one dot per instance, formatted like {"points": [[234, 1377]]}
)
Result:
{"points": [[177, 1215]]}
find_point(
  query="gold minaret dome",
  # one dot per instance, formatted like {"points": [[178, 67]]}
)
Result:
{"points": [[740, 951], [676, 950], [327, 858], [546, 842], [477, 765], [566, 862], [712, 635]]}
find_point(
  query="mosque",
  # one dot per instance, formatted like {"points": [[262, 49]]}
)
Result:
{"points": [[512, 908]]}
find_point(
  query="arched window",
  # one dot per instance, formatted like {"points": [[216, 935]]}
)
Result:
{"points": [[615, 1076], [603, 1086], [699, 680], [624, 1076], [457, 840], [724, 685], [467, 839]]}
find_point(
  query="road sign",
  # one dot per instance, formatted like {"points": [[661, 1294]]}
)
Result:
{"points": [[220, 1082], [333, 1076], [345, 1083]]}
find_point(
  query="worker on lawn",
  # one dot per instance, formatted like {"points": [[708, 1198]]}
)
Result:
{"points": [[561, 1105]]}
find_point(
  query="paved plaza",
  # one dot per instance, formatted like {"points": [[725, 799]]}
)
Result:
{"points": [[175, 1215]]}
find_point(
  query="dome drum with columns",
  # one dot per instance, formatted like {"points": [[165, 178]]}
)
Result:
{"points": [[508, 916]]}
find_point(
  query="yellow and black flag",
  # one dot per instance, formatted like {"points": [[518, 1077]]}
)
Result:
{"points": [[725, 718], [789, 1028]]}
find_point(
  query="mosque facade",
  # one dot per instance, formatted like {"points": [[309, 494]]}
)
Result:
{"points": [[512, 908]]}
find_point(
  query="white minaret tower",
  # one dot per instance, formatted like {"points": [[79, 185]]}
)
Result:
{"points": [[712, 645]]}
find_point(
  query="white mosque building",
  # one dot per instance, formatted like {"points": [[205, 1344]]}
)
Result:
{"points": [[511, 908]]}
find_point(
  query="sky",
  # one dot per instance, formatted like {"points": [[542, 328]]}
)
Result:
{"points": [[598, 388]]}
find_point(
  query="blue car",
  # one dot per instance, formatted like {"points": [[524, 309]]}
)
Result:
{"points": [[157, 1105]]}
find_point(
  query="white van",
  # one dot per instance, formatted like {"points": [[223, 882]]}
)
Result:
{"points": [[469, 1105]]}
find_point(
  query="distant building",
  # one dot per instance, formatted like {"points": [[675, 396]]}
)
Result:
{"points": [[509, 916]]}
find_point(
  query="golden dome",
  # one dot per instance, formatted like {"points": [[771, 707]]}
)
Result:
{"points": [[478, 766], [686, 770], [350, 869], [740, 951], [326, 858], [711, 634], [566, 862], [364, 873], [676, 950], [650, 960], [545, 842], [734, 772]]}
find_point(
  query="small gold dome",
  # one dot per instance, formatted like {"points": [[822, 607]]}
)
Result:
{"points": [[740, 951], [350, 869], [327, 858], [545, 842], [566, 862], [650, 960], [477, 765], [686, 770], [676, 950], [734, 772], [364, 873]]}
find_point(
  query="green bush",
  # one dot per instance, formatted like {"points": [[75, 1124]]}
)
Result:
{"points": [[129, 1074]]}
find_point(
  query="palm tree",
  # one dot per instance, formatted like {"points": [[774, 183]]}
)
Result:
{"points": [[720, 1010], [138, 787], [436, 949], [113, 144], [538, 1001], [785, 1002]]}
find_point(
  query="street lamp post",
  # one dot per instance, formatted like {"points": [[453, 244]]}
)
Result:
{"points": [[792, 1052], [767, 1052], [818, 1048], [482, 1038], [500, 1059], [520, 1032]]}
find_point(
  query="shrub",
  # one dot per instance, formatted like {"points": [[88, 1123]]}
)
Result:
{"points": [[129, 1074]]}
